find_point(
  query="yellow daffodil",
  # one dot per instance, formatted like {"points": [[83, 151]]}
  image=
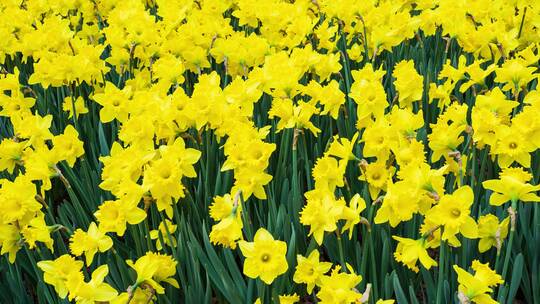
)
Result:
{"points": [[310, 270], [59, 271], [491, 233], [265, 257], [453, 212], [89, 242], [477, 288], [512, 186], [340, 287], [154, 268], [410, 251]]}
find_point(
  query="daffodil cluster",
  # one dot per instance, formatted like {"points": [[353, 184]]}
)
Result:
{"points": [[269, 150]]}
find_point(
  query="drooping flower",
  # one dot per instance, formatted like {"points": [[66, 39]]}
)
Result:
{"points": [[154, 268], [410, 251], [477, 288], [491, 232], [512, 185]]}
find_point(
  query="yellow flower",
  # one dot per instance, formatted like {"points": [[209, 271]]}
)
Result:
{"points": [[57, 272], [400, 202], [265, 257], [67, 146], [18, 199], [328, 173], [409, 84], [515, 75], [165, 228], [163, 179], [10, 237], [405, 122], [138, 131], [496, 102], [340, 287], [440, 93], [477, 74], [310, 270], [376, 174], [115, 103], [16, 105], [251, 182], [121, 177], [37, 231], [425, 178], [153, 268], [33, 127], [293, 116], [80, 107], [484, 123], [452, 212], [491, 232], [89, 242], [93, 291], [377, 139], [113, 216], [228, 230], [444, 139], [343, 147], [476, 288], [432, 234], [321, 213], [169, 69], [289, 299], [140, 296], [163, 176], [511, 146], [40, 165], [369, 94], [330, 96], [351, 213], [512, 186], [247, 152], [408, 152], [222, 207], [11, 152], [409, 252]]}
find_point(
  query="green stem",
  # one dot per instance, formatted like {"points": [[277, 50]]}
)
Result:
{"points": [[373, 266], [340, 248], [442, 256], [498, 260], [508, 252], [295, 185], [522, 21]]}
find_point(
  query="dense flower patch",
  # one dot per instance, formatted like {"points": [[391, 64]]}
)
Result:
{"points": [[269, 151]]}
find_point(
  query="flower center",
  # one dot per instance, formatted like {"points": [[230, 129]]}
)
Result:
{"points": [[166, 174], [258, 154], [512, 145], [456, 212], [265, 258], [376, 176]]}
